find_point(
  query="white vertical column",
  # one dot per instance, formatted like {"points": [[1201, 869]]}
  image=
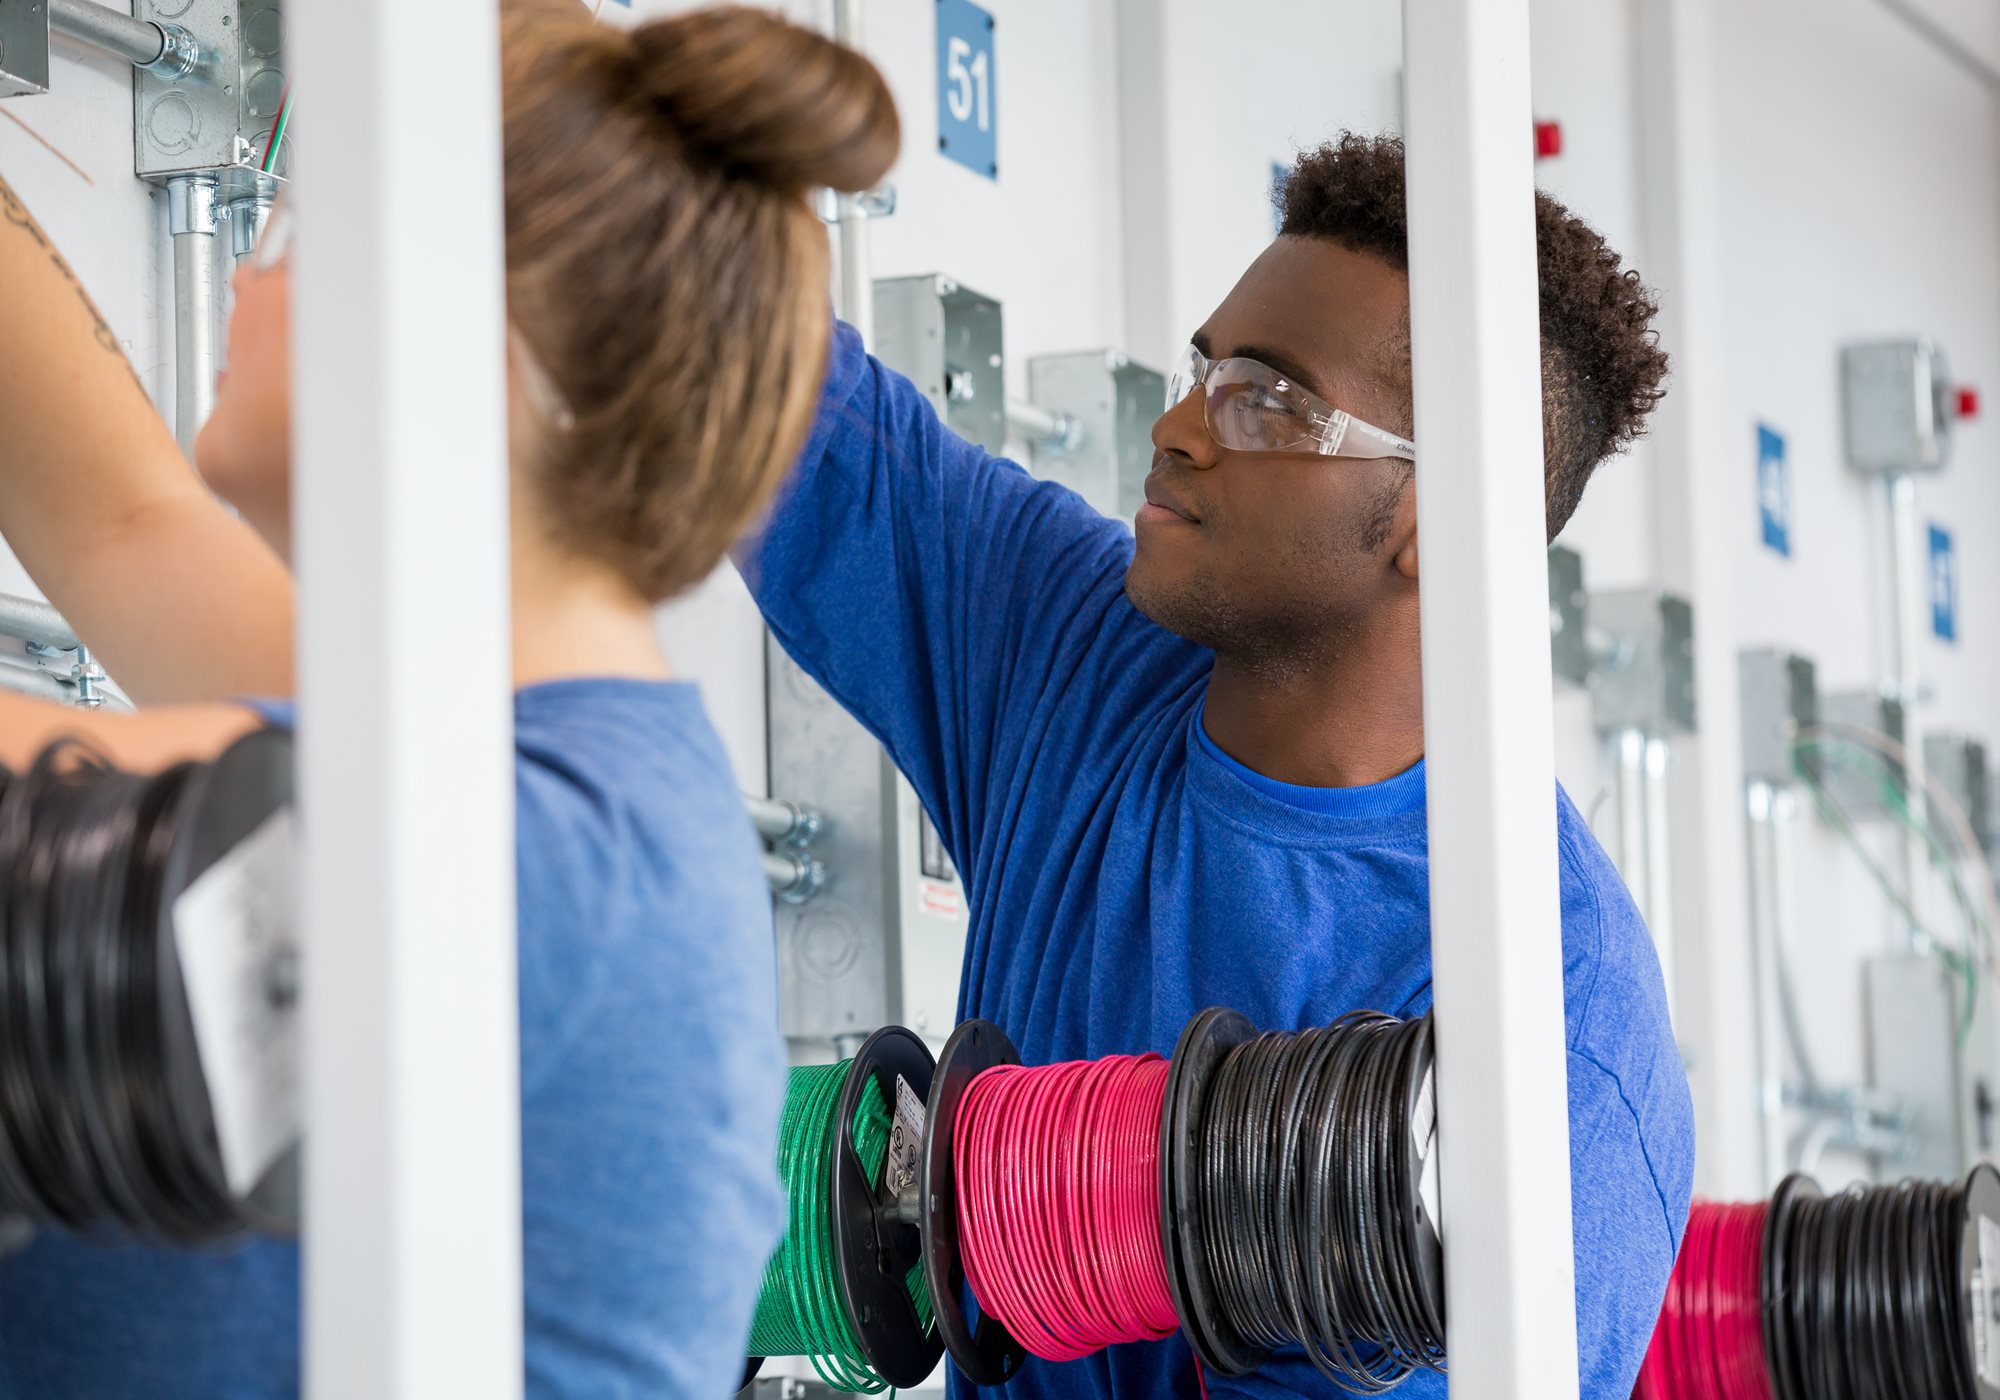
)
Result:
{"points": [[412, 1208], [1700, 448], [1496, 933]]}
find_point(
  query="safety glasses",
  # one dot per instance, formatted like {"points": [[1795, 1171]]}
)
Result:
{"points": [[274, 245], [1250, 407]]}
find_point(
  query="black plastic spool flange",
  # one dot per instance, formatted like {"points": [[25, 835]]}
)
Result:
{"points": [[1425, 1236], [1982, 1202], [987, 1354], [875, 1250], [225, 803], [1775, 1286], [1203, 1043]]}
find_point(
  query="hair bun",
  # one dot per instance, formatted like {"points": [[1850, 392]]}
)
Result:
{"points": [[755, 95]]}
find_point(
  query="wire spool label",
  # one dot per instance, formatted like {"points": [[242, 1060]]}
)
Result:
{"points": [[1985, 1284], [236, 932], [1423, 1141], [906, 1142]]}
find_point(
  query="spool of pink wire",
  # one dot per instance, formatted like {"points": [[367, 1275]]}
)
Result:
{"points": [[1059, 1202]]}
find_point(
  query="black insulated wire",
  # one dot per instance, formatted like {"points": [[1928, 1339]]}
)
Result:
{"points": [[1866, 1292], [95, 1135], [1305, 1191]]}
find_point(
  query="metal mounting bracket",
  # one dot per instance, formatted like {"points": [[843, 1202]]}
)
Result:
{"points": [[24, 47]]}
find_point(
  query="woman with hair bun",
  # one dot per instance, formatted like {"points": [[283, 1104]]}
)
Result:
{"points": [[666, 296]]}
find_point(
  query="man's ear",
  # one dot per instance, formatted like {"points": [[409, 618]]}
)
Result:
{"points": [[1404, 535]]}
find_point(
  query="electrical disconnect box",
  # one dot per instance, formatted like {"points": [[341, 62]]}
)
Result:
{"points": [[1569, 617], [1864, 786], [1899, 405], [883, 941], [1113, 403], [1643, 655], [1780, 694], [1914, 1016]]}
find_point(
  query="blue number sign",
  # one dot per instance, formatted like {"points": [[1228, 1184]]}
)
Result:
{"points": [[1774, 491], [968, 121], [1944, 586]]}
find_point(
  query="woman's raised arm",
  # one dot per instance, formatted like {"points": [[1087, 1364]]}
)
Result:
{"points": [[180, 599]]}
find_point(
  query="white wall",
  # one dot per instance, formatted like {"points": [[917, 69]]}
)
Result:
{"points": [[1862, 198]]}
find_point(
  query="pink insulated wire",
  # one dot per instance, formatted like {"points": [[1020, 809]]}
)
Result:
{"points": [[1059, 1202]]}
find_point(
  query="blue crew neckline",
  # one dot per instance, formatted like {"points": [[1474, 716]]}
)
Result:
{"points": [[1391, 797]]}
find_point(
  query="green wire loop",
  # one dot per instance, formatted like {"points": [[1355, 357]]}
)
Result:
{"points": [[1964, 965], [800, 1311]]}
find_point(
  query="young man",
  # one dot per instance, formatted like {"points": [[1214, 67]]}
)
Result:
{"points": [[1188, 771]]}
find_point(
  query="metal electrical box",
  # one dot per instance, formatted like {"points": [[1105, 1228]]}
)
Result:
{"points": [[24, 47], [1898, 409], [884, 941], [1114, 404], [1644, 668], [1569, 617], [947, 340], [1857, 779], [1959, 763], [1780, 695], [218, 118], [1913, 1025]]}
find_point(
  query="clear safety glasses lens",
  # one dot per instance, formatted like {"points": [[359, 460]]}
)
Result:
{"points": [[1249, 406]]}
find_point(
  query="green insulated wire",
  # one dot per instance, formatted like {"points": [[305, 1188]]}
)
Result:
{"points": [[800, 1312]]}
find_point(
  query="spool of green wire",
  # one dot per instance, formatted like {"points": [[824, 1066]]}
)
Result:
{"points": [[800, 1311]]}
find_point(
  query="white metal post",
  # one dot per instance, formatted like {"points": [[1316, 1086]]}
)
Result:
{"points": [[1698, 440], [412, 1206], [1496, 934]]}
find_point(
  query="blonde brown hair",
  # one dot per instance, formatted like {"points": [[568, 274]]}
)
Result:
{"points": [[666, 267]]}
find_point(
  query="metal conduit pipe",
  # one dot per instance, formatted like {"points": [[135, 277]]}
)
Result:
{"points": [[788, 822], [1911, 592], [43, 685], [1044, 428], [1642, 842], [1770, 809], [35, 623], [191, 219], [794, 878], [857, 280], [247, 218], [166, 49]]}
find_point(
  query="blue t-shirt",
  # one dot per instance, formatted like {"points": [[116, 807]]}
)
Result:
{"points": [[652, 1074], [1123, 874]]}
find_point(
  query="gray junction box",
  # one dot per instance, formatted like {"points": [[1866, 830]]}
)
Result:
{"points": [[1780, 695], [883, 942], [1114, 403]]}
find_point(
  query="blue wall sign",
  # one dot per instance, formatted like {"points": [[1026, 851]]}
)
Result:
{"points": [[1944, 586], [1774, 491], [968, 119]]}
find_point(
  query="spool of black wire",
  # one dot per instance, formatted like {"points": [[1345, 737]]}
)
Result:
{"points": [[1293, 1170], [105, 1119], [1884, 1291]]}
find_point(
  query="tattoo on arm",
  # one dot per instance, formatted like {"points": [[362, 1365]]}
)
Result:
{"points": [[14, 212]]}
